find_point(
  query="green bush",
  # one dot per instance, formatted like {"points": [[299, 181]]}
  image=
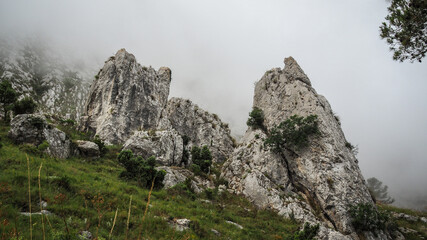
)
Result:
{"points": [[308, 233], [141, 170], [24, 106], [293, 132], [102, 148], [365, 217], [201, 157], [43, 146], [256, 119]]}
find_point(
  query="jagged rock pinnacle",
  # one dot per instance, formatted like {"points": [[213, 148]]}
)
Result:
{"points": [[294, 72]]}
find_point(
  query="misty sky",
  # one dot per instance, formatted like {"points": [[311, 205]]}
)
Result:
{"points": [[218, 49]]}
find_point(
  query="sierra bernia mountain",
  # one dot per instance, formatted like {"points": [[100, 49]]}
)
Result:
{"points": [[293, 160]]}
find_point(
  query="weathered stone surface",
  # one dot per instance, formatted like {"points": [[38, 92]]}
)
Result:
{"points": [[323, 177], [125, 97], [175, 175], [34, 129], [165, 145], [200, 126], [88, 149], [180, 224]]}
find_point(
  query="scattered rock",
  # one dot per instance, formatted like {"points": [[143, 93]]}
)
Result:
{"points": [[235, 224], [215, 232], [180, 224], [44, 212], [423, 219], [85, 235]]}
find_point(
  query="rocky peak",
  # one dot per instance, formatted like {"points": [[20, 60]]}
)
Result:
{"points": [[294, 72], [325, 174], [125, 97]]}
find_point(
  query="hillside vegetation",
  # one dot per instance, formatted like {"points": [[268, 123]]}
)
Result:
{"points": [[84, 194]]}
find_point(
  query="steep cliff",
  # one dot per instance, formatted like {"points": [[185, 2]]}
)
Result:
{"points": [[125, 97], [34, 70], [325, 174]]}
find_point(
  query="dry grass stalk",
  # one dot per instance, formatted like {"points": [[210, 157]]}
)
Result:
{"points": [[114, 223], [29, 196], [127, 222], [146, 208], [41, 204]]}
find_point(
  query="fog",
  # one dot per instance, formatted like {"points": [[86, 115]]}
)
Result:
{"points": [[218, 49]]}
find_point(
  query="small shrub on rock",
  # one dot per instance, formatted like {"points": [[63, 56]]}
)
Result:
{"points": [[202, 158], [293, 132], [308, 233], [141, 170], [256, 119], [365, 217], [24, 106], [102, 148]]}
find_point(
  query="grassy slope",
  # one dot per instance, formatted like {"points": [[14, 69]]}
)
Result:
{"points": [[419, 226], [91, 190]]}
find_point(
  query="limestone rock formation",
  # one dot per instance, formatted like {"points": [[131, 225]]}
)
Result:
{"points": [[325, 175], [34, 129], [176, 175], [59, 85], [125, 97], [199, 126], [165, 145]]}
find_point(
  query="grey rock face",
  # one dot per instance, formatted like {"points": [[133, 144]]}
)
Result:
{"points": [[125, 97], [33, 129], [201, 127], [175, 175], [57, 84], [88, 149], [324, 175], [165, 145]]}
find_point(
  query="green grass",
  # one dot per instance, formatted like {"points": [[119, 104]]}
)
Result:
{"points": [[91, 189]]}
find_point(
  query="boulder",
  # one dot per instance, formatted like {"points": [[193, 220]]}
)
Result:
{"points": [[165, 145], [176, 175], [87, 149], [34, 129]]}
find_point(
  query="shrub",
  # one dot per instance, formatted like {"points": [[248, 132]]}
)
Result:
{"points": [[293, 132], [308, 233], [141, 170], [43, 146], [202, 158], [365, 217], [184, 189], [102, 148], [256, 119], [24, 106], [8, 97]]}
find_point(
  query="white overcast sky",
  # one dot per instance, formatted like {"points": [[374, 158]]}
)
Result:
{"points": [[218, 49]]}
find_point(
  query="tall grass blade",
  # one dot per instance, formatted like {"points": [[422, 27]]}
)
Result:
{"points": [[146, 208], [41, 204], [114, 223], [29, 196], [127, 222]]}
